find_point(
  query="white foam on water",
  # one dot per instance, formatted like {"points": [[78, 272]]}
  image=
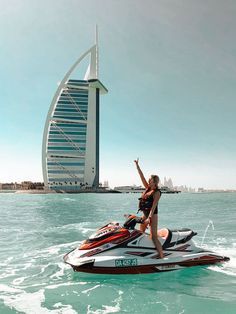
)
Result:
{"points": [[86, 230], [27, 265], [65, 284], [164, 305], [83, 227], [9, 272], [222, 270], [18, 281], [66, 309], [51, 250], [63, 245], [32, 285], [38, 273], [22, 301], [30, 303], [88, 290], [228, 268], [69, 199], [61, 272], [8, 260], [42, 253], [161, 303], [5, 288], [107, 309], [72, 226], [43, 268]]}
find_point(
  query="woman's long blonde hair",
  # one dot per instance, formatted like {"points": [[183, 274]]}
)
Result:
{"points": [[155, 179]]}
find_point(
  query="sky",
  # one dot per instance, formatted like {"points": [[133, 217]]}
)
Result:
{"points": [[170, 69]]}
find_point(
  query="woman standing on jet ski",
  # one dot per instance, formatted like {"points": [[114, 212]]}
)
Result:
{"points": [[148, 204]]}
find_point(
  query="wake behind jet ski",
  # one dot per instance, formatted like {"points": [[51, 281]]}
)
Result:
{"points": [[116, 249]]}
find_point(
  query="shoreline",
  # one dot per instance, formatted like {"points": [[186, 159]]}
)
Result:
{"points": [[41, 192]]}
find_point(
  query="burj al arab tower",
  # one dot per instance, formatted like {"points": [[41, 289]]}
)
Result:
{"points": [[70, 151]]}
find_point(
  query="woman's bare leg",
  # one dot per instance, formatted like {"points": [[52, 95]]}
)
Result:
{"points": [[154, 235], [144, 225]]}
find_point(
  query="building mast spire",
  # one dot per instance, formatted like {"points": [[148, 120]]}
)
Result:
{"points": [[97, 56]]}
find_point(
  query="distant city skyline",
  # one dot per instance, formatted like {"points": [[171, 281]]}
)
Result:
{"points": [[166, 182], [171, 71]]}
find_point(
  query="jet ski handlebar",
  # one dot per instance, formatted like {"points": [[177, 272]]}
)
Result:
{"points": [[131, 221]]}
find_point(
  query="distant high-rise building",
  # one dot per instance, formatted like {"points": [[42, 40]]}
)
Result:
{"points": [[106, 184], [168, 183], [70, 151]]}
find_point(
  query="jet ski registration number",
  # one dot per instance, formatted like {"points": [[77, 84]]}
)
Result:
{"points": [[126, 262]]}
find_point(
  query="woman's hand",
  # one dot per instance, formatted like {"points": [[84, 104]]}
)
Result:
{"points": [[148, 221], [136, 161]]}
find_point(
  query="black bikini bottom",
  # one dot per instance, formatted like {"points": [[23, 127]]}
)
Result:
{"points": [[147, 211]]}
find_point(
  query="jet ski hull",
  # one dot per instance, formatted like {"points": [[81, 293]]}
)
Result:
{"points": [[160, 265], [118, 250]]}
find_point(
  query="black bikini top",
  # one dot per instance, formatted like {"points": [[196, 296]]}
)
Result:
{"points": [[146, 202]]}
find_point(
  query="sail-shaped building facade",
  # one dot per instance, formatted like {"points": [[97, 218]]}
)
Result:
{"points": [[70, 151]]}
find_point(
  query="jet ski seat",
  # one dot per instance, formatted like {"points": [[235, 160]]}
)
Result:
{"points": [[163, 233], [176, 237]]}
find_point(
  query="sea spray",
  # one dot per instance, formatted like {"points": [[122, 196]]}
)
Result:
{"points": [[210, 223]]}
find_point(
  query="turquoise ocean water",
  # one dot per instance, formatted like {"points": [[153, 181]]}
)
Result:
{"points": [[37, 230]]}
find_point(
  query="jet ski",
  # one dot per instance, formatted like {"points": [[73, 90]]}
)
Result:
{"points": [[116, 249]]}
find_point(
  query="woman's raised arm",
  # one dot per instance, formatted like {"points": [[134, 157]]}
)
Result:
{"points": [[144, 181]]}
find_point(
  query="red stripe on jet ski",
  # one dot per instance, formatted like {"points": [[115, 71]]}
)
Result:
{"points": [[118, 270], [203, 260], [119, 238]]}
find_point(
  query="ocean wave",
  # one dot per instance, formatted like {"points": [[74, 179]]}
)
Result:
{"points": [[51, 250], [83, 227]]}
